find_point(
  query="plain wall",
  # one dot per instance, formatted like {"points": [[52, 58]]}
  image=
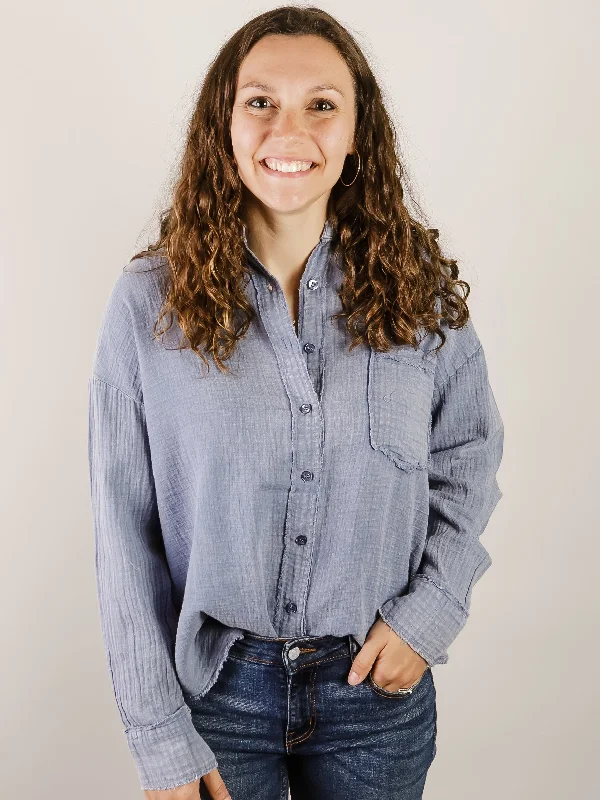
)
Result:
{"points": [[496, 106]]}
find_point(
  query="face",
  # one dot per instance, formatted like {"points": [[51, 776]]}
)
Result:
{"points": [[282, 111]]}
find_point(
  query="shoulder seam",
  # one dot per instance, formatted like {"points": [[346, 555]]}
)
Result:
{"points": [[467, 359], [117, 389]]}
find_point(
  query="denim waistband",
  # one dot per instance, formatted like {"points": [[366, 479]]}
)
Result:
{"points": [[294, 653], [291, 638]]}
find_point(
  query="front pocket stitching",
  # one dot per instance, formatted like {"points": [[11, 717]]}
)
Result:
{"points": [[383, 693], [396, 457], [405, 360]]}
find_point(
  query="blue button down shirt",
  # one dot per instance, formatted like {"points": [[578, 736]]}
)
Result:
{"points": [[305, 494]]}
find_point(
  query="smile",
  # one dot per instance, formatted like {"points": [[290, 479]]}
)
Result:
{"points": [[283, 169]]}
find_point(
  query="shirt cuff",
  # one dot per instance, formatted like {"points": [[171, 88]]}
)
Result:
{"points": [[426, 617], [170, 753]]}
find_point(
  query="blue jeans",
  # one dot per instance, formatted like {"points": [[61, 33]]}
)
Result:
{"points": [[282, 718]]}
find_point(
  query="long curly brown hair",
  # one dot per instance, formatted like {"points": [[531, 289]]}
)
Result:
{"points": [[396, 280]]}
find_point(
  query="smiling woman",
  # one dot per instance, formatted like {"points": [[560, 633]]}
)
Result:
{"points": [[290, 144], [287, 543]]}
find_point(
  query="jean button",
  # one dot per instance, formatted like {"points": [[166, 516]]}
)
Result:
{"points": [[294, 653]]}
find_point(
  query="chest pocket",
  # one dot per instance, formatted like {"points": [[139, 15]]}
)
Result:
{"points": [[400, 391]]}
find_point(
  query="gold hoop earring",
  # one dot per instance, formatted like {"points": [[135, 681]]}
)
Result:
{"points": [[357, 171]]}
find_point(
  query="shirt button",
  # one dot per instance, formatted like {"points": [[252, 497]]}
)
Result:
{"points": [[306, 475], [312, 283], [270, 287], [291, 608], [294, 653], [305, 408], [309, 347], [301, 539]]}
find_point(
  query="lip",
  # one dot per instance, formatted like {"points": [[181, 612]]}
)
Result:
{"points": [[275, 174], [287, 159]]}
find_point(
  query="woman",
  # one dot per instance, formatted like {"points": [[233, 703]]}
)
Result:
{"points": [[315, 503]]}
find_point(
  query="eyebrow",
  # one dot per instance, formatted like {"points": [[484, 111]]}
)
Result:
{"points": [[322, 87]]}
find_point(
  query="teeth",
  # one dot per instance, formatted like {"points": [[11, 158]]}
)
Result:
{"points": [[288, 166]]}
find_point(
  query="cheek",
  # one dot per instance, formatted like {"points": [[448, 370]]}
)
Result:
{"points": [[244, 138], [334, 143]]}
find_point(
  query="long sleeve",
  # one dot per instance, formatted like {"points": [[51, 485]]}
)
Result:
{"points": [[465, 452], [134, 597], [137, 616]]}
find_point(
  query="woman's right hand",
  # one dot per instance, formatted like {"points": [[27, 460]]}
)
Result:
{"points": [[191, 791]]}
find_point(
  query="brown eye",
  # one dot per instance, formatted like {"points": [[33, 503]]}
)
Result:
{"points": [[254, 99], [327, 101]]}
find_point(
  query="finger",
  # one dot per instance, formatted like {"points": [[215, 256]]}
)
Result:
{"points": [[215, 785], [363, 661], [395, 684]]}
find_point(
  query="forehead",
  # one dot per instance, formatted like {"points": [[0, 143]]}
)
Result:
{"points": [[278, 60]]}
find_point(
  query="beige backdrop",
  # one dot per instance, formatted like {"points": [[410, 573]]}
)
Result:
{"points": [[496, 105]]}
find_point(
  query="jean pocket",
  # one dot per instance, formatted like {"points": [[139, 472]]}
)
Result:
{"points": [[399, 395], [403, 696]]}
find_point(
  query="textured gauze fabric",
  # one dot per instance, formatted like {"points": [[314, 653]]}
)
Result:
{"points": [[304, 494]]}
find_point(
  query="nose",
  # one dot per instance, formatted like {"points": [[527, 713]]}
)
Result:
{"points": [[289, 124]]}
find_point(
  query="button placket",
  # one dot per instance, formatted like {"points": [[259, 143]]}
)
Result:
{"points": [[307, 436]]}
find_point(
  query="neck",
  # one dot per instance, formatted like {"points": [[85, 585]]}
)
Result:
{"points": [[283, 244]]}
